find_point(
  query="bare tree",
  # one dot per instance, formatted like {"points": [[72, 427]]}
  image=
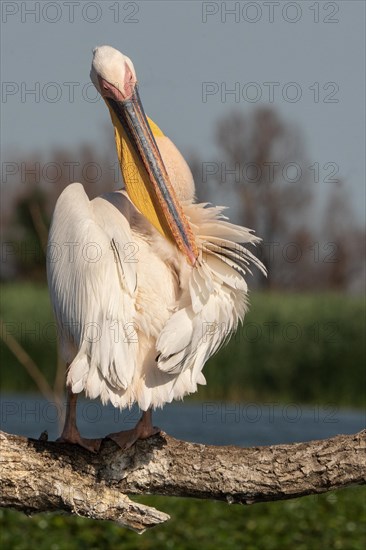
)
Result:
{"points": [[345, 239]]}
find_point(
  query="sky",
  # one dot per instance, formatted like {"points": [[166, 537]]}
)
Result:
{"points": [[195, 62]]}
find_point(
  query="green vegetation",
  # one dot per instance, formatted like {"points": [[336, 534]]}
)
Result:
{"points": [[295, 347], [306, 348], [335, 520], [26, 312]]}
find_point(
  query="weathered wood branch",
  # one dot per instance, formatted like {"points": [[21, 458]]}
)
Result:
{"points": [[41, 476]]}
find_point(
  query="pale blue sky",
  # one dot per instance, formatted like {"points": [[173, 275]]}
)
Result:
{"points": [[176, 47]]}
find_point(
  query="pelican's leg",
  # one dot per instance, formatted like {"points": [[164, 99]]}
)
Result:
{"points": [[143, 429], [70, 433]]}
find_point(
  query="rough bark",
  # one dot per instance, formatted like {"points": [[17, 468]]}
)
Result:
{"points": [[38, 475]]}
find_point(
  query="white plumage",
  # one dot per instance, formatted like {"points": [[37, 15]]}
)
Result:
{"points": [[137, 317], [137, 323]]}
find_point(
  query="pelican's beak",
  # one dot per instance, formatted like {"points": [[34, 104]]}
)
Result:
{"points": [[145, 176]]}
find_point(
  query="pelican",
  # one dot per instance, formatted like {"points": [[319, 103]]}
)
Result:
{"points": [[146, 284]]}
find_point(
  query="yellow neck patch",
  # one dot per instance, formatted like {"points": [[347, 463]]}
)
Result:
{"points": [[136, 178]]}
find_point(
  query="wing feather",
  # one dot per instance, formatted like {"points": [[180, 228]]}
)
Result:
{"points": [[93, 290]]}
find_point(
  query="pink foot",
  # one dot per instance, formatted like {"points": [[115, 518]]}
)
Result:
{"points": [[143, 430], [92, 445]]}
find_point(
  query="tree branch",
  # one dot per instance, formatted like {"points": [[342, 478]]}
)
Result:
{"points": [[39, 476]]}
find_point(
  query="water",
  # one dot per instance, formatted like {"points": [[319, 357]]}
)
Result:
{"points": [[210, 422]]}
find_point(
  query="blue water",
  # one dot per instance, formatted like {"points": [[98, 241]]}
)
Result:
{"points": [[211, 422]]}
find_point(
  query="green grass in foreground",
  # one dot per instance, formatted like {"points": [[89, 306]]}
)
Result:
{"points": [[305, 348], [331, 521]]}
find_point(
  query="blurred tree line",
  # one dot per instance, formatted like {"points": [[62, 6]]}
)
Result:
{"points": [[32, 187], [261, 168]]}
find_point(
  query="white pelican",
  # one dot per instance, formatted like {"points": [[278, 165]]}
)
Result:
{"points": [[146, 284]]}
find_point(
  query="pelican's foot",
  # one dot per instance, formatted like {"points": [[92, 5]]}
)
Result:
{"points": [[92, 445], [126, 439]]}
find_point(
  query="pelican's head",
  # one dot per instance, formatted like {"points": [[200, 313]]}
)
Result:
{"points": [[143, 170], [113, 73]]}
